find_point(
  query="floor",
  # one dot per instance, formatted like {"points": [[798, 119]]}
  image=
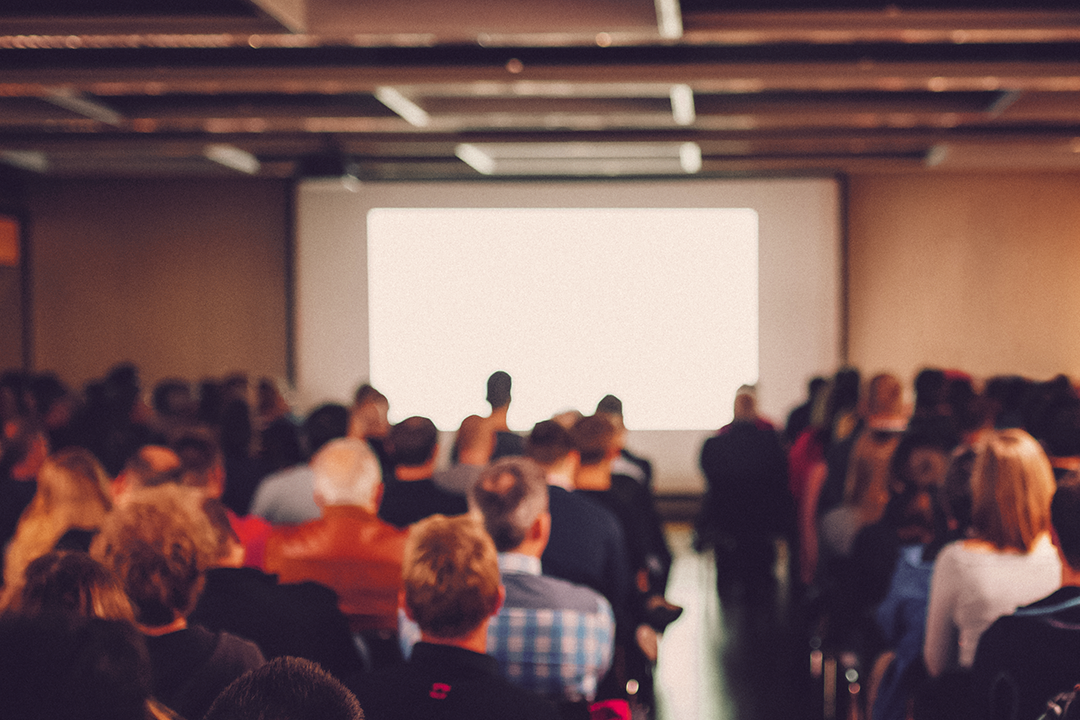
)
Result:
{"points": [[740, 659]]}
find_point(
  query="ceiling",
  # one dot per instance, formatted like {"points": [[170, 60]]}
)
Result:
{"points": [[445, 89]]}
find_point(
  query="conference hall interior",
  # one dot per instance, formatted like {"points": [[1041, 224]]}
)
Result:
{"points": [[200, 190]]}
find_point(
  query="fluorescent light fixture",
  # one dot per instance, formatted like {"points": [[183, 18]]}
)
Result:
{"points": [[690, 157], [403, 106], [669, 19], [232, 157], [82, 105], [682, 104], [32, 160], [582, 159]]}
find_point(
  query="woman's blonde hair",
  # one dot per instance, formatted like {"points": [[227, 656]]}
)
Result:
{"points": [[72, 492], [1012, 485]]}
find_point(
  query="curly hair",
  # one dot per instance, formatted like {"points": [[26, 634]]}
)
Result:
{"points": [[159, 543]]}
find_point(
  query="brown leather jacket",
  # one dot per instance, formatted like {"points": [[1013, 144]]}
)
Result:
{"points": [[350, 550]]}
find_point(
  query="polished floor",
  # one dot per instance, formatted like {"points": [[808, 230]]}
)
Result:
{"points": [[745, 658]]}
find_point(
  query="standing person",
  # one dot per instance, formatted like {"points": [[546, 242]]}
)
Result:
{"points": [[451, 590], [498, 396], [747, 504]]}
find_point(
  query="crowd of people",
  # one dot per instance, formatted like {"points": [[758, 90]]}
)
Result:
{"points": [[935, 547], [207, 554]]}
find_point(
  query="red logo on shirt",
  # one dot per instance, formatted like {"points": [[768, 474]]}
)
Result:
{"points": [[439, 691]]}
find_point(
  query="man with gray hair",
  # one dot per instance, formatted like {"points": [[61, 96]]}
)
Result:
{"points": [[349, 549], [551, 636]]}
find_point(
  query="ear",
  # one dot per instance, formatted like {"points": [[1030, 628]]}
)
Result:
{"points": [[499, 601], [379, 495], [540, 530], [403, 605]]}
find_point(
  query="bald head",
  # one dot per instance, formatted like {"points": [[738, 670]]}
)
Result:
{"points": [[347, 473]]}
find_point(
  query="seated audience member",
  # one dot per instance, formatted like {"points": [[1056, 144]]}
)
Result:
{"points": [[287, 688], [159, 543], [628, 464], [298, 619], [66, 667], [647, 550], [203, 468], [1026, 658], [279, 436], [1009, 559], [586, 543], [412, 494], [452, 591], [149, 466], [473, 446], [551, 636], [287, 497], [69, 582], [368, 417], [349, 549], [23, 449], [69, 505]]}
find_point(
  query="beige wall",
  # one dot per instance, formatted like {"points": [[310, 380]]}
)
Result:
{"points": [[181, 277], [975, 271]]}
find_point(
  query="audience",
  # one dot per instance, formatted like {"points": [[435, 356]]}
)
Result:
{"points": [[451, 591], [889, 494]]}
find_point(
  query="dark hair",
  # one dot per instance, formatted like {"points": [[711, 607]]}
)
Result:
{"points": [[510, 494], [593, 438], [1065, 517], [199, 456], [72, 583], [286, 688], [367, 394], [498, 389], [412, 441], [325, 423], [66, 667], [164, 393], [548, 442], [929, 389]]}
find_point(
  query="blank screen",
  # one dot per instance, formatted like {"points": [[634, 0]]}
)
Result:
{"points": [[658, 306]]}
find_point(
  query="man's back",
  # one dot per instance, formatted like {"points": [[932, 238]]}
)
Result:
{"points": [[351, 551]]}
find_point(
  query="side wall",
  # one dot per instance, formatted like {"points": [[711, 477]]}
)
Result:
{"points": [[979, 272], [182, 277]]}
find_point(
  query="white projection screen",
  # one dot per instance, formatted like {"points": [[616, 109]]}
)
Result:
{"points": [[667, 294]]}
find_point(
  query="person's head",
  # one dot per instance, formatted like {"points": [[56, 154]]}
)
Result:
{"points": [[1061, 436], [1011, 485], [549, 443], [65, 667], [228, 550], [929, 391], [746, 403], [884, 397], [347, 473], [150, 466], [412, 442], [594, 437], [325, 423], [73, 478], [475, 440], [286, 688], [498, 389], [159, 543], [450, 576], [172, 398], [202, 465], [511, 496], [368, 415], [71, 583], [1065, 517]]}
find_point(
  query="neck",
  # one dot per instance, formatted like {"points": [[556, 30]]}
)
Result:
{"points": [[593, 477], [179, 623], [498, 417], [1069, 575], [475, 640], [407, 473]]}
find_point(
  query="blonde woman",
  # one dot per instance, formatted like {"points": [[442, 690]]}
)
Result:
{"points": [[1007, 562], [70, 503]]}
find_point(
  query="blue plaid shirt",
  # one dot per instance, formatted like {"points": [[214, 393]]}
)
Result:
{"points": [[551, 636]]}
